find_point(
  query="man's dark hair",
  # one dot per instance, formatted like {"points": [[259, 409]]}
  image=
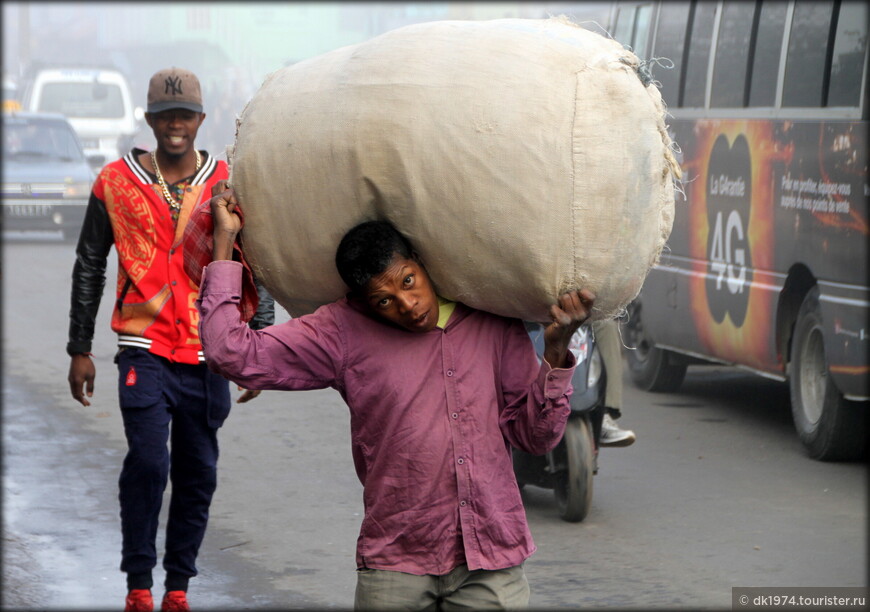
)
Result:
{"points": [[366, 250]]}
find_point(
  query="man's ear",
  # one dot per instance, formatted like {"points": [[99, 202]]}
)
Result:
{"points": [[358, 296], [358, 300]]}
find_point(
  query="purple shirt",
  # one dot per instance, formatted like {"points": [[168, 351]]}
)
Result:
{"points": [[433, 416]]}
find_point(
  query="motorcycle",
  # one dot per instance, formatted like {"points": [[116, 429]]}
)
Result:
{"points": [[568, 469]]}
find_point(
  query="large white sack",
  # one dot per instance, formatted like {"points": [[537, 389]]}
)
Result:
{"points": [[522, 158]]}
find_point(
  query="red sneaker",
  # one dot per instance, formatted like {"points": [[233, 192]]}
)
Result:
{"points": [[139, 600], [175, 601]]}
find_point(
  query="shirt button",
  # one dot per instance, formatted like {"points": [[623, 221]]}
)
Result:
{"points": [[174, 283], [455, 415], [461, 461], [449, 372], [462, 503], [550, 377], [172, 251], [172, 352]]}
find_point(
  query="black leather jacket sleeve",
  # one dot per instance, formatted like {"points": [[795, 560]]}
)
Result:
{"points": [[89, 276]]}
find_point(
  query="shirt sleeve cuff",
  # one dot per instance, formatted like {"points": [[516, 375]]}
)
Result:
{"points": [[556, 381], [223, 276]]}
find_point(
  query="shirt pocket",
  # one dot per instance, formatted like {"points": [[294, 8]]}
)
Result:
{"points": [[140, 378]]}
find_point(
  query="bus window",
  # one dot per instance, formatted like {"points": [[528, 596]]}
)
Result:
{"points": [[732, 55], [640, 40], [695, 88], [768, 49], [807, 51], [624, 25], [632, 27], [670, 44], [847, 65]]}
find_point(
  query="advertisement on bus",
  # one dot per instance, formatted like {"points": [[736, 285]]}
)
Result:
{"points": [[763, 197]]}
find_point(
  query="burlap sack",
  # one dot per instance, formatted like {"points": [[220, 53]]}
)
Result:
{"points": [[522, 158]]}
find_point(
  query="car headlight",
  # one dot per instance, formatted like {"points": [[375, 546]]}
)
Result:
{"points": [[594, 373], [77, 190]]}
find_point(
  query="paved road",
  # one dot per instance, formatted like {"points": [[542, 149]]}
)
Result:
{"points": [[716, 493]]}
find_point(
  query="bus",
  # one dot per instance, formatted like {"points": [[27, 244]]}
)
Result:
{"points": [[766, 266]]}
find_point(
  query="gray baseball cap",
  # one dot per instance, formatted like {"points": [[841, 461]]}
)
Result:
{"points": [[174, 88]]}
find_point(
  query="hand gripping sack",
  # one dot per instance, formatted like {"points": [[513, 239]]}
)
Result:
{"points": [[522, 158]]}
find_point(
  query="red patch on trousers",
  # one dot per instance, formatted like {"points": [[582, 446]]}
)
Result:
{"points": [[131, 377]]}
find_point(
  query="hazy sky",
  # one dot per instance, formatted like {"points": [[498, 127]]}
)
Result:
{"points": [[257, 37], [231, 46]]}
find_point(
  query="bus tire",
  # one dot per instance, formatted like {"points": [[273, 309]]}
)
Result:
{"points": [[650, 368], [573, 485], [830, 427]]}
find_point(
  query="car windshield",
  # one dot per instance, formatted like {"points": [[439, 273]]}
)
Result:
{"points": [[83, 100], [39, 140]]}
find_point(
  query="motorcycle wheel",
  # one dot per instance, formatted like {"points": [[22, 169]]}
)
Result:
{"points": [[573, 485]]}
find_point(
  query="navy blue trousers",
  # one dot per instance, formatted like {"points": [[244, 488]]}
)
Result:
{"points": [[183, 405]]}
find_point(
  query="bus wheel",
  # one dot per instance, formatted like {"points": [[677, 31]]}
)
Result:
{"points": [[573, 485], [650, 368], [830, 427]]}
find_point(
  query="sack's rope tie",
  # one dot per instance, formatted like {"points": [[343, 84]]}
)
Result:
{"points": [[643, 70]]}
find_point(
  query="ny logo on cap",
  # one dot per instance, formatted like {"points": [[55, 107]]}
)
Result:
{"points": [[173, 86]]}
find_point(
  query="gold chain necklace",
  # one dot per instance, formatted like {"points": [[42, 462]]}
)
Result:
{"points": [[174, 204]]}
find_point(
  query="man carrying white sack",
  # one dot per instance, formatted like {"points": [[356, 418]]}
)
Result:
{"points": [[438, 392]]}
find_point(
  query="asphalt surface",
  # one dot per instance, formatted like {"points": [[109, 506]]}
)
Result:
{"points": [[716, 493]]}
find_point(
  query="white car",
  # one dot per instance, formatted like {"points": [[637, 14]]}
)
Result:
{"points": [[97, 103]]}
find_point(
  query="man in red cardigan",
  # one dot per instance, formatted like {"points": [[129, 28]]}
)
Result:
{"points": [[141, 204]]}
